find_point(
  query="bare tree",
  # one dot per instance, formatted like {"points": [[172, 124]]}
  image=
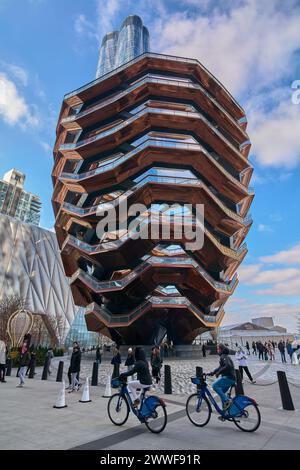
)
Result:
{"points": [[56, 325], [39, 331], [9, 305]]}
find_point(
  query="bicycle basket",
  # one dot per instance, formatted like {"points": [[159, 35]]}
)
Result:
{"points": [[116, 383], [196, 380]]}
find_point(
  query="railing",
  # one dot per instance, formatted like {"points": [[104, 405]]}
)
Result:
{"points": [[142, 222], [195, 182], [99, 286], [152, 301], [168, 112], [148, 79], [119, 158], [155, 56]]}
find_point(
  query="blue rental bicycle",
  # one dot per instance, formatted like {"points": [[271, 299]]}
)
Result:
{"points": [[243, 411], [151, 412]]}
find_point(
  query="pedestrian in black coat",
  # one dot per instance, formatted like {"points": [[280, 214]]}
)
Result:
{"points": [[116, 361]]}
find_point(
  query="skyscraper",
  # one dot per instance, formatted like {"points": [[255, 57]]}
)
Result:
{"points": [[119, 47], [158, 130], [17, 202]]}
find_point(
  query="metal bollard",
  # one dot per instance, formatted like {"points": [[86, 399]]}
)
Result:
{"points": [[60, 371], [95, 374], [9, 366], [45, 369], [286, 398], [168, 380], [32, 369], [239, 389]]}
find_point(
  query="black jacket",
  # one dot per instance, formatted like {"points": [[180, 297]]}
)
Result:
{"points": [[98, 354], [140, 368], [116, 359], [156, 362], [75, 361], [226, 368], [24, 359], [130, 360]]}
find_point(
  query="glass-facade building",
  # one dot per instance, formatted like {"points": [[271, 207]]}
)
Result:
{"points": [[15, 201], [79, 332], [119, 47]]}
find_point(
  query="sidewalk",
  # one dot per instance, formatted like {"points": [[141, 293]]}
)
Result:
{"points": [[29, 421]]}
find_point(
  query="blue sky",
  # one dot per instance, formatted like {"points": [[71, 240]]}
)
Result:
{"points": [[50, 47]]}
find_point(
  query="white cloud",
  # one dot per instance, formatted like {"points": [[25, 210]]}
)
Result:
{"points": [[47, 148], [279, 282], [84, 27], [107, 11], [19, 73], [13, 107], [241, 310], [288, 288], [245, 45], [291, 256], [276, 134], [264, 228], [255, 275]]}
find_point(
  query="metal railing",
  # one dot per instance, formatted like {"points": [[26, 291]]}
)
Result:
{"points": [[194, 182], [153, 301], [168, 112], [148, 261]]}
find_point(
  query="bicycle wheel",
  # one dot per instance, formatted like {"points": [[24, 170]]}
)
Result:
{"points": [[158, 421], [118, 409], [199, 413], [250, 421]]}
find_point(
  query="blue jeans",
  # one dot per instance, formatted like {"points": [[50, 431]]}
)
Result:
{"points": [[221, 386]]}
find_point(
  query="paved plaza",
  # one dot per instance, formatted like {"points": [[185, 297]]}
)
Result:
{"points": [[29, 421]]}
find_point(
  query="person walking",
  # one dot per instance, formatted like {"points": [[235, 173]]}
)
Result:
{"points": [[248, 348], [116, 361], [203, 350], [2, 361], [156, 364], [129, 363], [265, 349], [24, 360], [289, 349], [254, 352], [281, 348], [75, 368], [241, 358], [260, 348], [271, 351], [50, 356], [31, 361], [98, 355], [74, 345]]}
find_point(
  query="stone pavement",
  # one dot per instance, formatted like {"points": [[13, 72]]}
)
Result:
{"points": [[29, 421]]}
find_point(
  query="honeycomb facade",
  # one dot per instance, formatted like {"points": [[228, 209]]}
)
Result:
{"points": [[158, 130]]}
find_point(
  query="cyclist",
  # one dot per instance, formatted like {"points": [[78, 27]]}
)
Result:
{"points": [[227, 372], [140, 368]]}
